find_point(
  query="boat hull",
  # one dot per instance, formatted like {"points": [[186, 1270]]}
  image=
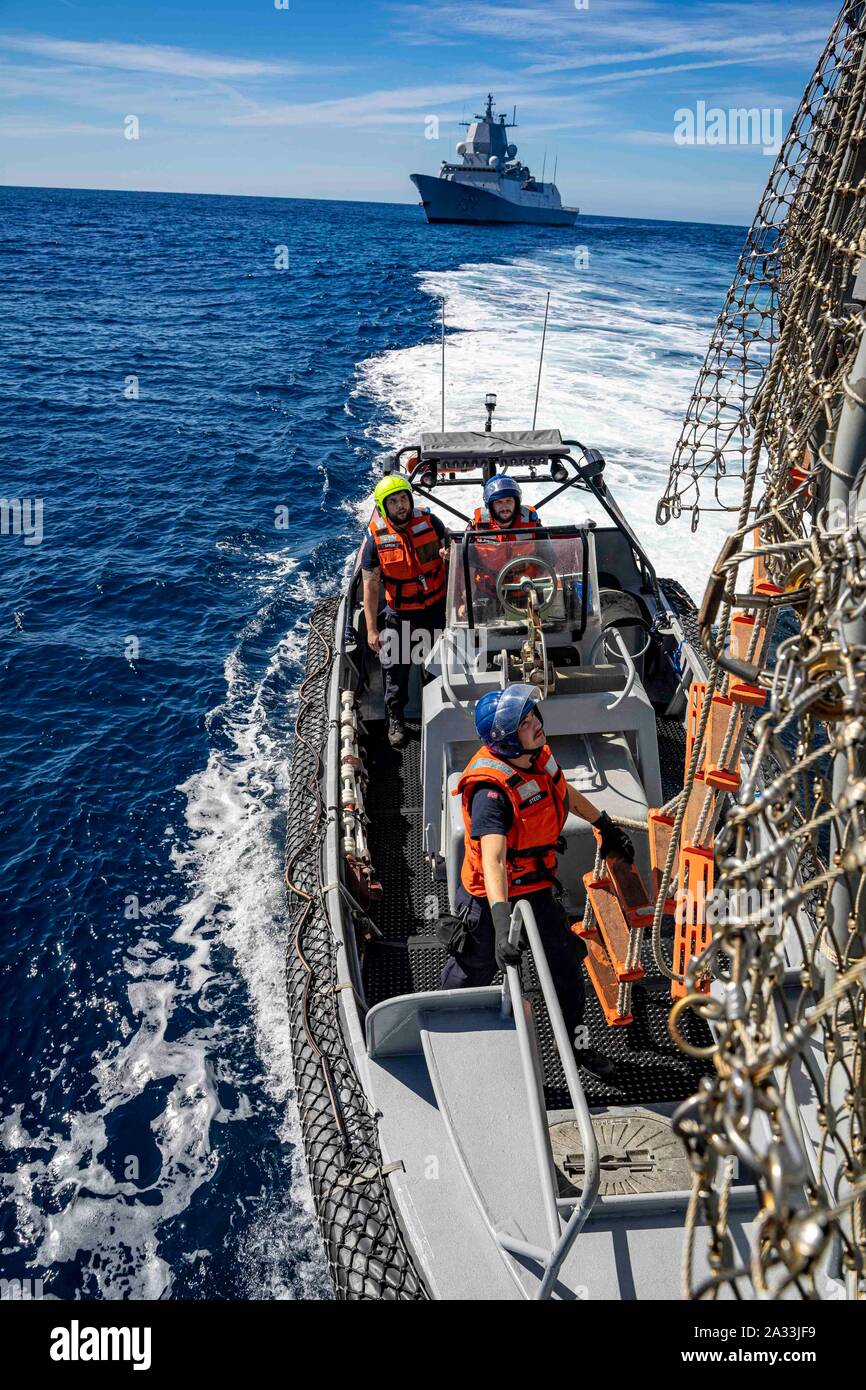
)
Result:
{"points": [[448, 200]]}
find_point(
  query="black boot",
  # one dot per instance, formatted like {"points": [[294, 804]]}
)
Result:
{"points": [[596, 1064], [397, 736]]}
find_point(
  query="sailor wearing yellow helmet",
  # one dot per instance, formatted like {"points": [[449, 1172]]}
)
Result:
{"points": [[405, 548]]}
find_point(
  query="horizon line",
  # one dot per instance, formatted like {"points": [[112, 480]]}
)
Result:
{"points": [[363, 202]]}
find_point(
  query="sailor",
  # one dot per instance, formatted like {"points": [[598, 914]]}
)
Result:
{"points": [[404, 546], [502, 510], [515, 804]]}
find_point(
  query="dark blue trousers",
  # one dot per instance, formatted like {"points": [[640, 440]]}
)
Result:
{"points": [[476, 965], [396, 673]]}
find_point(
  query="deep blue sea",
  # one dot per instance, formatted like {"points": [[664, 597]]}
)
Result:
{"points": [[169, 397]]}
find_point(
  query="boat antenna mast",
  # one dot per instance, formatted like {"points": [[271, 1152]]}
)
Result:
{"points": [[443, 364], [541, 359], [489, 116]]}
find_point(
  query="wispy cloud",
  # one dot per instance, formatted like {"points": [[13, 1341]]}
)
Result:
{"points": [[151, 58], [23, 131], [616, 33], [399, 105]]}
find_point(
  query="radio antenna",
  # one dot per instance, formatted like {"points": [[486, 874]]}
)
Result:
{"points": [[555, 166], [443, 364], [543, 166], [540, 360]]}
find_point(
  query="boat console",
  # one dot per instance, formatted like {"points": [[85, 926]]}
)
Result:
{"points": [[536, 616]]}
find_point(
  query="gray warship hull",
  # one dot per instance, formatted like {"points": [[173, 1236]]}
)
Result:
{"points": [[449, 200]]}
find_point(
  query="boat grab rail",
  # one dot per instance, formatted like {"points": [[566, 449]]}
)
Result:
{"points": [[626, 656], [561, 1238], [448, 643]]}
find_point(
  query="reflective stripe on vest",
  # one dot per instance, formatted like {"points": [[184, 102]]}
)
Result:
{"points": [[539, 801], [412, 568]]}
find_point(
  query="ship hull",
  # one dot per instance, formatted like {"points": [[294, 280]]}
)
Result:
{"points": [[448, 200]]}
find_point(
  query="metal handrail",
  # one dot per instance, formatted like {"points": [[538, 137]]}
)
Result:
{"points": [[446, 644], [627, 657], [561, 1239]]}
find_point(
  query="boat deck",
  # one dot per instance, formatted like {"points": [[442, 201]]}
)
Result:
{"points": [[408, 958]]}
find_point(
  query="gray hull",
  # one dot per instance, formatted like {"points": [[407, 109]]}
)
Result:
{"points": [[447, 200]]}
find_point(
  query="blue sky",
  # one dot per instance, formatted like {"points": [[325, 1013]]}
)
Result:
{"points": [[330, 98]]}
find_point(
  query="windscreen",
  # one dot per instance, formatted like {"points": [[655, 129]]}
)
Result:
{"points": [[502, 571]]}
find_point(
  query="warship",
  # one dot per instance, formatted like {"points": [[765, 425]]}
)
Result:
{"points": [[490, 184], [456, 1148]]}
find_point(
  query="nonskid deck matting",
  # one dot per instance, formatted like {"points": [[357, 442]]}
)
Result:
{"points": [[650, 1067]]}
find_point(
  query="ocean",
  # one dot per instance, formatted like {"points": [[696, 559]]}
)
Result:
{"points": [[196, 396]]}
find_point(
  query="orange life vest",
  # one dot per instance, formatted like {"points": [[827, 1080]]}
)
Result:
{"points": [[412, 568], [490, 555], [539, 799]]}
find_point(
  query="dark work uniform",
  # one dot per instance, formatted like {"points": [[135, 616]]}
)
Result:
{"points": [[396, 673], [492, 814]]}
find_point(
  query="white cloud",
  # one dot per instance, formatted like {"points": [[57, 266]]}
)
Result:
{"points": [[152, 58], [22, 131], [397, 106], [619, 32]]}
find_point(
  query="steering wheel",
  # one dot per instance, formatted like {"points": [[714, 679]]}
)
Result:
{"points": [[542, 582]]}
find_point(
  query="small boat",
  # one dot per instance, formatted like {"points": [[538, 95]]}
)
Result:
{"points": [[455, 1149]]}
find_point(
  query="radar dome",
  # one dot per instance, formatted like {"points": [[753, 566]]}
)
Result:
{"points": [[462, 147], [493, 161], [511, 151]]}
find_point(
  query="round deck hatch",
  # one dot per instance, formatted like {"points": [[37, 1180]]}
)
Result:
{"points": [[639, 1152]]}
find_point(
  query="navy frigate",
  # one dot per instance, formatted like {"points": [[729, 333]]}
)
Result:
{"points": [[490, 184]]}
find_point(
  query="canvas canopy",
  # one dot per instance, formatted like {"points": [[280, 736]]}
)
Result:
{"points": [[479, 445]]}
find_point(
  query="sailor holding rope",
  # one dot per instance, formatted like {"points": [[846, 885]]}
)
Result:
{"points": [[515, 804]]}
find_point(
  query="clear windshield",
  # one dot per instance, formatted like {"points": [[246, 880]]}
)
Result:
{"points": [[504, 575]]}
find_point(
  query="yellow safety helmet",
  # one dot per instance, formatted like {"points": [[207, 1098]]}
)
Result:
{"points": [[386, 487]]}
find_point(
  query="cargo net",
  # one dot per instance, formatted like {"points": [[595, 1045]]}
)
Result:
{"points": [[366, 1252], [786, 336], [767, 845]]}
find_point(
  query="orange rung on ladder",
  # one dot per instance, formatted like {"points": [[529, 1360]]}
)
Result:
{"points": [[697, 695], [762, 584], [742, 630], [613, 926], [630, 890], [695, 810], [661, 828], [605, 984], [692, 935], [744, 694], [723, 776]]}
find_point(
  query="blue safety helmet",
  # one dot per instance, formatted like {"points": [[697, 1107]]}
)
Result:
{"points": [[498, 714], [499, 486]]}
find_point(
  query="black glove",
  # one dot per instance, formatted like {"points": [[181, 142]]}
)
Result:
{"points": [[506, 954], [614, 841]]}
